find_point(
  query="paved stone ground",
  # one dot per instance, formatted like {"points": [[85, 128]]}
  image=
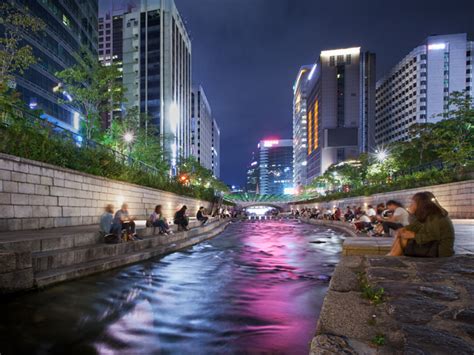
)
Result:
{"points": [[427, 307]]}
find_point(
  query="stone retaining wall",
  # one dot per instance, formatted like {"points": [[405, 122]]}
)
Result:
{"points": [[457, 198], [38, 195]]}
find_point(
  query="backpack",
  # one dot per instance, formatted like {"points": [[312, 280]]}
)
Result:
{"points": [[111, 239]]}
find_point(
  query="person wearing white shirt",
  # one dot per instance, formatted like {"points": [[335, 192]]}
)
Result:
{"points": [[399, 218]]}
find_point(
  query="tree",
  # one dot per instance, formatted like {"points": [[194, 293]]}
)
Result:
{"points": [[94, 89], [15, 55], [455, 133]]}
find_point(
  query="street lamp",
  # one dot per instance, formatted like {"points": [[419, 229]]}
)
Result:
{"points": [[381, 155], [128, 137]]}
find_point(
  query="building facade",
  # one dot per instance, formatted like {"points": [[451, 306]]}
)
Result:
{"points": [[340, 108], [69, 27], [416, 90], [251, 185], [151, 43], [300, 135], [275, 167], [201, 128], [216, 149]]}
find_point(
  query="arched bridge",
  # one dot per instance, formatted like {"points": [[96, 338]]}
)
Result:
{"points": [[245, 200]]}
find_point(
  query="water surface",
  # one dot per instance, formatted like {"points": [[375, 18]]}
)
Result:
{"points": [[256, 288]]}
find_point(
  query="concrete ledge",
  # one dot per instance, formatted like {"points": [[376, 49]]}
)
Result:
{"points": [[342, 226], [367, 246], [425, 307], [42, 258]]}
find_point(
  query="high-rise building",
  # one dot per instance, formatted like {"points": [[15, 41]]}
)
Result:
{"points": [[216, 149], [416, 90], [300, 136], [251, 185], [275, 167], [340, 108], [70, 26], [151, 44], [201, 128]]}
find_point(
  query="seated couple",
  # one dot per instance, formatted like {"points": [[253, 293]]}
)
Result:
{"points": [[430, 235], [157, 219], [182, 220], [118, 224]]}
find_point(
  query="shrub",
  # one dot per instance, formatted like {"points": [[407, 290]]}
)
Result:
{"points": [[39, 141]]}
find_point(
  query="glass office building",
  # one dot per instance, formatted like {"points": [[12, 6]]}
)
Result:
{"points": [[70, 25], [275, 167]]}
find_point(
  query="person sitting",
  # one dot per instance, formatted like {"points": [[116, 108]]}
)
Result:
{"points": [[124, 221], [180, 219], [398, 219], [363, 223], [430, 235], [106, 221], [200, 216], [371, 213], [156, 219]]}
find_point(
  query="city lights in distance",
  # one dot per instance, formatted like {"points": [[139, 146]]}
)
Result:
{"points": [[289, 190], [436, 46]]}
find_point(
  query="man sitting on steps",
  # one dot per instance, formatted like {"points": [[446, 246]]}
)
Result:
{"points": [[201, 217]]}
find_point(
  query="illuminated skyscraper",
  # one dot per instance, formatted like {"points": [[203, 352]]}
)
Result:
{"points": [[340, 108], [416, 90], [300, 136], [275, 166], [153, 47]]}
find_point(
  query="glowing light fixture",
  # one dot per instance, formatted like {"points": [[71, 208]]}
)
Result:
{"points": [[354, 50], [313, 69], [128, 137], [381, 155], [436, 46], [270, 143]]}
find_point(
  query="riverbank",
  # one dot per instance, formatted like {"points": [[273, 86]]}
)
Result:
{"points": [[35, 259], [385, 305]]}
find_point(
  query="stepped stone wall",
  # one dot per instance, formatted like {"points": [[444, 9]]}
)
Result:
{"points": [[38, 195], [457, 198]]}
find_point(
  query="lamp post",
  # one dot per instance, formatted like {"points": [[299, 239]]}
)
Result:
{"points": [[128, 137]]}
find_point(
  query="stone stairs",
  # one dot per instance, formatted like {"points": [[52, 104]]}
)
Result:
{"points": [[63, 254]]}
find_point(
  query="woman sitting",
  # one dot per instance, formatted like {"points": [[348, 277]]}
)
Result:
{"points": [[181, 220], [431, 235], [157, 220]]}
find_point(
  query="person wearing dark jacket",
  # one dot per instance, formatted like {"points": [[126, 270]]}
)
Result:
{"points": [[180, 219], [200, 216], [430, 235]]}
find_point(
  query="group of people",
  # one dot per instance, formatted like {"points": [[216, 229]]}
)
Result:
{"points": [[121, 225], [422, 229]]}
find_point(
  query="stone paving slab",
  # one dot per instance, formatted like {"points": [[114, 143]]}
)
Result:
{"points": [[427, 307]]}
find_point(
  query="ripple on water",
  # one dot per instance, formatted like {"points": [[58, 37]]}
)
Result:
{"points": [[258, 287]]}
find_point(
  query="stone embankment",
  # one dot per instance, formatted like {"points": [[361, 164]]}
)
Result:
{"points": [[35, 195], [457, 198], [386, 305], [33, 259]]}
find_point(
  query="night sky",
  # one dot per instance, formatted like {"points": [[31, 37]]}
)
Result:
{"points": [[246, 54]]}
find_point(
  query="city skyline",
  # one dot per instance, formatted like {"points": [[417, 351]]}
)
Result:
{"points": [[251, 92]]}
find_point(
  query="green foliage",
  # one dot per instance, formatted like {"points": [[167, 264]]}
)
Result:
{"points": [[373, 294], [196, 175], [379, 340], [94, 89], [37, 140], [15, 56]]}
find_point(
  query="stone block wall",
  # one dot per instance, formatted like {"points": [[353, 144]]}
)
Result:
{"points": [[457, 198], [38, 195]]}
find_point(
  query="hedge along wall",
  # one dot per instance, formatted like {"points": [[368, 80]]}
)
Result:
{"points": [[457, 198], [38, 195]]}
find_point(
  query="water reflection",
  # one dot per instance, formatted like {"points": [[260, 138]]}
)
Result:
{"points": [[256, 288]]}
